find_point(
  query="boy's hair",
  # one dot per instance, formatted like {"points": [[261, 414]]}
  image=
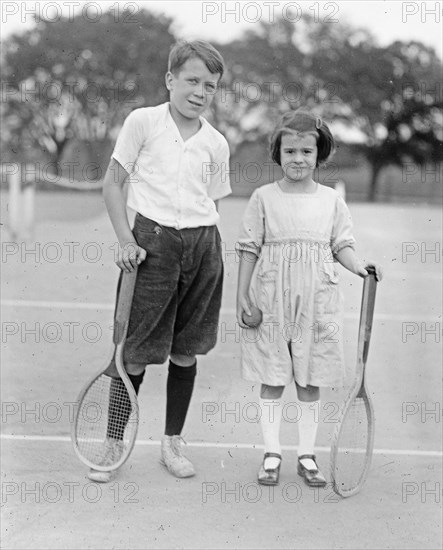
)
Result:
{"points": [[181, 51], [303, 122]]}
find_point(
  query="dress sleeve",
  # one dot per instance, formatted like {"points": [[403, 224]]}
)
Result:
{"points": [[252, 228], [220, 185], [342, 230], [129, 141]]}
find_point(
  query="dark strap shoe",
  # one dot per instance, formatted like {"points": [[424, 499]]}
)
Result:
{"points": [[314, 478], [269, 476]]}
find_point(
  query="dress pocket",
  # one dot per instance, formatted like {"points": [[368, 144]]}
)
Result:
{"points": [[267, 290], [328, 273], [327, 299]]}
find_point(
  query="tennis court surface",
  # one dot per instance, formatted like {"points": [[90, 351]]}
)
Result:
{"points": [[57, 304]]}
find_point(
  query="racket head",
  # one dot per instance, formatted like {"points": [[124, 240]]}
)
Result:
{"points": [[353, 438], [104, 439], [97, 422], [353, 444]]}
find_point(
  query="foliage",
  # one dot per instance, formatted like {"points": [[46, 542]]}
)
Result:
{"points": [[385, 100], [77, 78]]}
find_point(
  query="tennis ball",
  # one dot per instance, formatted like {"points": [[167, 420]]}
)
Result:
{"points": [[254, 319]]}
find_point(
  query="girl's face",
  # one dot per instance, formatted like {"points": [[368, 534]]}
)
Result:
{"points": [[298, 156]]}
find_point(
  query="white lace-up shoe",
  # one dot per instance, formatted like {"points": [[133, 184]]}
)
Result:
{"points": [[113, 453], [171, 457]]}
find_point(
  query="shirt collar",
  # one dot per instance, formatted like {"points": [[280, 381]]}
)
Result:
{"points": [[201, 130]]}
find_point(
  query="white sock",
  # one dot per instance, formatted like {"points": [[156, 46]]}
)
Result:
{"points": [[307, 431], [270, 421]]}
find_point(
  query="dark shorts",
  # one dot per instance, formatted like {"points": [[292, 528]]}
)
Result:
{"points": [[178, 293]]}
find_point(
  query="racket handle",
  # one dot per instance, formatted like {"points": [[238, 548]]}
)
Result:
{"points": [[367, 314], [124, 304]]}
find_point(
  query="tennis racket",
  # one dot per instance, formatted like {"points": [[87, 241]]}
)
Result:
{"points": [[353, 439], [107, 416]]}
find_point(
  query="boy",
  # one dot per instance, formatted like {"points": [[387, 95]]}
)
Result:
{"points": [[178, 165]]}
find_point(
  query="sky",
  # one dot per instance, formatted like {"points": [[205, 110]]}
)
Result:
{"points": [[226, 20]]}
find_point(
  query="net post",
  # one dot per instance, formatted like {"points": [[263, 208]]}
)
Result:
{"points": [[28, 201], [14, 196]]}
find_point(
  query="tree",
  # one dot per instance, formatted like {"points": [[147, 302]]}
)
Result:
{"points": [[265, 73], [76, 78], [390, 95], [394, 93]]}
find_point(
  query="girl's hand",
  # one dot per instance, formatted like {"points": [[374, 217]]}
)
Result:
{"points": [[361, 270], [242, 305], [130, 255]]}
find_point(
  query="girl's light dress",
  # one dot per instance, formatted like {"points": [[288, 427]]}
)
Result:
{"points": [[295, 284]]}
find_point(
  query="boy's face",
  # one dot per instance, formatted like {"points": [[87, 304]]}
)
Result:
{"points": [[192, 89]]}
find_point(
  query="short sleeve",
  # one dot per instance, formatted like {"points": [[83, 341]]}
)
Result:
{"points": [[342, 231], [220, 185], [252, 227], [129, 141]]}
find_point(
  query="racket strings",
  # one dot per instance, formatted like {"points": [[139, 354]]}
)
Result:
{"points": [[352, 447], [106, 422], [119, 409]]}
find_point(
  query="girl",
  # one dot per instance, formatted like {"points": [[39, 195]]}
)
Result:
{"points": [[292, 232]]}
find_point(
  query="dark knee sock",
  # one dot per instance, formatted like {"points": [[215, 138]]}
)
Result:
{"points": [[136, 380], [178, 396], [119, 409]]}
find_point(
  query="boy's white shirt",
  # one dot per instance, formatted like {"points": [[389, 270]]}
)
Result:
{"points": [[173, 182]]}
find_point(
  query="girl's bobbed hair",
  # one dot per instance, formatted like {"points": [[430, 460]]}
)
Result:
{"points": [[303, 122]]}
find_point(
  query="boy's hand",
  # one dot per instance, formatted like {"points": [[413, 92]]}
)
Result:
{"points": [[361, 270], [130, 255], [242, 305]]}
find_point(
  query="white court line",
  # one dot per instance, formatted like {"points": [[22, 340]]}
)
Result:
{"points": [[225, 311], [56, 305], [153, 442]]}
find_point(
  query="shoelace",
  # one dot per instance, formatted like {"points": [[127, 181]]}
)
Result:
{"points": [[176, 444], [113, 452]]}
